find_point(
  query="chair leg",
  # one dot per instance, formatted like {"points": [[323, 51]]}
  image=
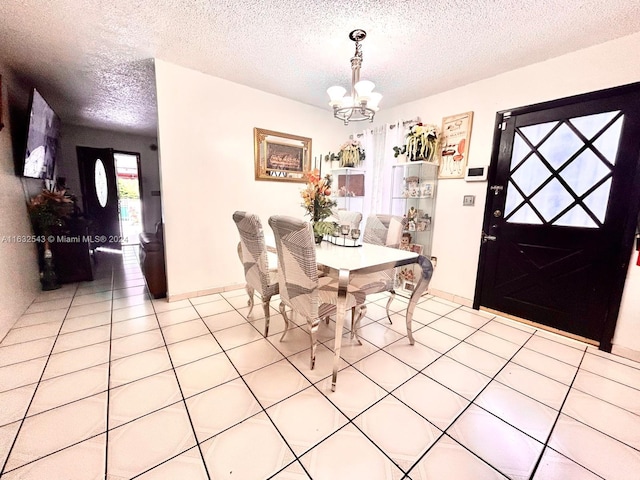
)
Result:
{"points": [[250, 292], [267, 315], [392, 295], [355, 322], [286, 320], [313, 330]]}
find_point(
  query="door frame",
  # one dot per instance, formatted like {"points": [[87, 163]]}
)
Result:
{"points": [[630, 224], [139, 167]]}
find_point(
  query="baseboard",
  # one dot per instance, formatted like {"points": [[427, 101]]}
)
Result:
{"points": [[202, 293], [467, 302], [626, 352]]}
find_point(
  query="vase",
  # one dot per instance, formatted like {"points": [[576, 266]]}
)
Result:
{"points": [[48, 278], [318, 239]]}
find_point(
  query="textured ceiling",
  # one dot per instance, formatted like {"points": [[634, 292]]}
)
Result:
{"points": [[92, 59]]}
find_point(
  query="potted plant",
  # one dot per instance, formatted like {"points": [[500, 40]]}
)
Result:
{"points": [[351, 153], [420, 143], [318, 204]]}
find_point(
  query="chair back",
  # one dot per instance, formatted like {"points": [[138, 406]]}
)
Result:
{"points": [[252, 250], [348, 217], [297, 267], [384, 230]]}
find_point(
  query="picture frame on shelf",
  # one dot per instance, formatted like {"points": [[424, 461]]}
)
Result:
{"points": [[416, 248], [281, 157], [409, 286], [454, 146]]}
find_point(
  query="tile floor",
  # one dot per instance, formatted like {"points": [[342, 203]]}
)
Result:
{"points": [[97, 381]]}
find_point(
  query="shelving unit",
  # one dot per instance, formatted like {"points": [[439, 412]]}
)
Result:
{"points": [[348, 188], [413, 195]]}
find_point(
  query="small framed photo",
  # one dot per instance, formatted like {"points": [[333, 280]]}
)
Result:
{"points": [[281, 156], [410, 286], [416, 248]]}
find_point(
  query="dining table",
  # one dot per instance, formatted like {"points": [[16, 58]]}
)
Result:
{"points": [[344, 262]]}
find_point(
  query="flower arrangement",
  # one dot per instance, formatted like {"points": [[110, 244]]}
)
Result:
{"points": [[317, 202], [49, 209], [351, 153], [421, 142]]}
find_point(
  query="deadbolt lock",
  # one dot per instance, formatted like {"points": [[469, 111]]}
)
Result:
{"points": [[497, 213]]}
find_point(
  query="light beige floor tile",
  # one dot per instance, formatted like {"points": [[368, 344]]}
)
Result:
{"points": [[213, 297], [40, 318], [31, 333], [7, 435], [162, 305], [20, 352], [379, 334], [139, 365], [385, 370], [82, 338], [437, 307], [216, 306], [129, 291], [193, 349], [184, 331], [137, 343], [608, 390], [89, 309], [85, 460], [493, 344], [511, 452], [459, 378], [51, 431], [179, 315], [470, 318], [526, 414], [77, 359], [275, 382], [594, 450], [348, 454], [49, 305], [402, 434], [91, 298], [506, 332], [209, 372], [451, 327], [236, 336], [14, 403], [146, 442], [131, 301], [560, 371], [432, 338], [293, 471], [221, 407], [559, 351], [296, 340], [133, 326], [306, 418], [608, 367], [417, 355], [448, 459], [554, 466], [354, 392], [188, 465], [324, 363], [65, 291], [544, 389], [443, 405], [603, 416], [87, 321], [133, 400], [476, 358], [422, 316], [132, 312], [20, 374], [227, 452], [67, 388]]}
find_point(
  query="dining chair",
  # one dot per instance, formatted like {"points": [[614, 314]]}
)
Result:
{"points": [[383, 230], [260, 267], [349, 217], [301, 289]]}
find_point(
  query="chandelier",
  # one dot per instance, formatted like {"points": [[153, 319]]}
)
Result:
{"points": [[362, 104]]}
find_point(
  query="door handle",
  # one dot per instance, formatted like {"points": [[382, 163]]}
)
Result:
{"points": [[486, 238]]}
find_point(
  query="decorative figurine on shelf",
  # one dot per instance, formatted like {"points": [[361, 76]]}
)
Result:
{"points": [[412, 214], [405, 241]]}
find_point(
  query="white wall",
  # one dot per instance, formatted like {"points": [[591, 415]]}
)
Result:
{"points": [[205, 136], [457, 229], [19, 277], [67, 165]]}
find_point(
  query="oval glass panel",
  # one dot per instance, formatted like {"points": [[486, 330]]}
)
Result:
{"points": [[100, 179]]}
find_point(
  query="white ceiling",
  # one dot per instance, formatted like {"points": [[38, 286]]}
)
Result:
{"points": [[92, 59]]}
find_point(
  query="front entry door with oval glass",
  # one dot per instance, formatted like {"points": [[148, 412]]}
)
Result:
{"points": [[99, 195], [560, 222]]}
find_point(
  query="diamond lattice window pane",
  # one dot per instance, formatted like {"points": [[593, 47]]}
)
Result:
{"points": [[531, 174], [560, 146], [525, 215], [608, 142], [598, 200], [552, 199], [513, 201], [535, 133], [576, 217], [589, 125], [520, 150], [584, 172]]}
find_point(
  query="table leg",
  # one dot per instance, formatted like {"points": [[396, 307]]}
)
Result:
{"points": [[421, 287], [343, 283]]}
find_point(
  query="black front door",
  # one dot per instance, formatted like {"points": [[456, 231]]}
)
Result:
{"points": [[100, 195], [561, 211]]}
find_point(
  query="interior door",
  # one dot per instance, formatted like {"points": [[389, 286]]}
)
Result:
{"points": [[100, 195], [561, 210]]}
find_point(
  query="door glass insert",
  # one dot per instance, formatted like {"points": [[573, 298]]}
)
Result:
{"points": [[100, 180], [560, 202]]}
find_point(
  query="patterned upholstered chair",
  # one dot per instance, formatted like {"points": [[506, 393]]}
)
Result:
{"points": [[301, 289], [260, 267], [348, 217], [381, 230]]}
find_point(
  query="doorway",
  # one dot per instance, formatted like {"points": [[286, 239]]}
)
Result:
{"points": [[127, 166], [562, 201]]}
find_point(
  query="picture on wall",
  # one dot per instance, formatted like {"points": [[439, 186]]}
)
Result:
{"points": [[281, 156], [454, 146]]}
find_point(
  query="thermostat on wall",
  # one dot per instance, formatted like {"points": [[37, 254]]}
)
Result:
{"points": [[476, 174]]}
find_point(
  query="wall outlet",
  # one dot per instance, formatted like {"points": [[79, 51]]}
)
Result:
{"points": [[468, 200]]}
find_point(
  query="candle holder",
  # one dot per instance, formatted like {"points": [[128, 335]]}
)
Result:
{"points": [[355, 235], [345, 229]]}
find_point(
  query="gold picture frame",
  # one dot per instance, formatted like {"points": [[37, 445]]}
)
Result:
{"points": [[454, 145], [281, 157]]}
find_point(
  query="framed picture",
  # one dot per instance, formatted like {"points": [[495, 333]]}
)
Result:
{"points": [[281, 156], [416, 248], [410, 286], [454, 145]]}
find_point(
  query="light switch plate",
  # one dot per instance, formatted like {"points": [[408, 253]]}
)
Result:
{"points": [[468, 200]]}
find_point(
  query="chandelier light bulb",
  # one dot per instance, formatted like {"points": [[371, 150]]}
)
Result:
{"points": [[335, 95], [364, 88], [374, 100]]}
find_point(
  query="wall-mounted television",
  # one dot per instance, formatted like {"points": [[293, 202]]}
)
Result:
{"points": [[42, 140]]}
